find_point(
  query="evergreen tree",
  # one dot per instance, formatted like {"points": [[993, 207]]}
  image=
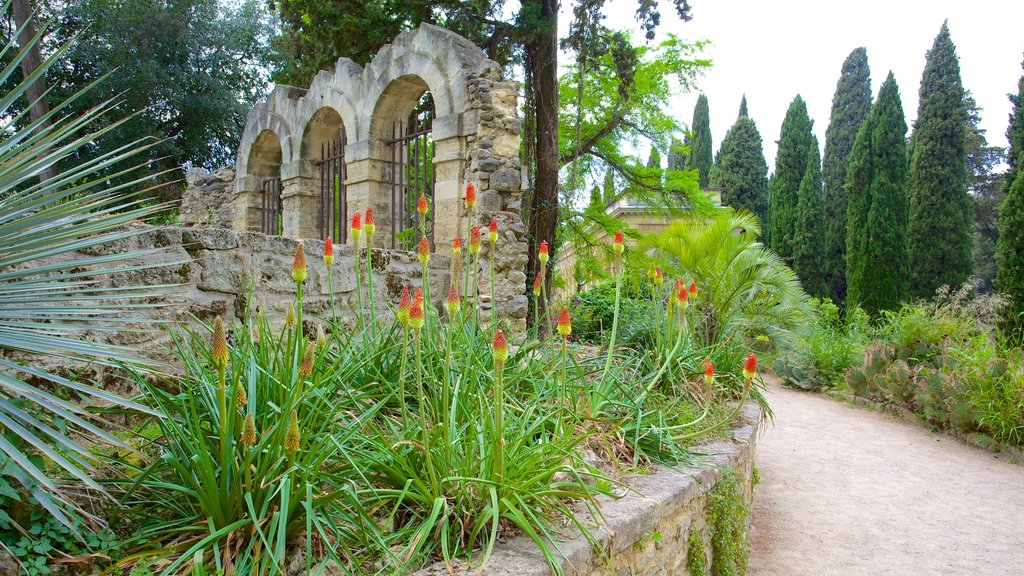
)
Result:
{"points": [[676, 156], [850, 106], [790, 167], [608, 188], [940, 209], [808, 238], [596, 200], [654, 159], [700, 149], [743, 106], [741, 170], [1010, 246], [877, 259]]}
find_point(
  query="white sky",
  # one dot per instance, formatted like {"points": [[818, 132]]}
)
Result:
{"points": [[774, 50]]}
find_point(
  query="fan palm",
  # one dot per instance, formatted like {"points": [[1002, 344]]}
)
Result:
{"points": [[50, 290], [746, 290]]}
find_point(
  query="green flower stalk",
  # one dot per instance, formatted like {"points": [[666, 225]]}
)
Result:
{"points": [[564, 330], [219, 354], [474, 250], [618, 247], [500, 349], [492, 238], [329, 263], [543, 255], [423, 253], [537, 282], [404, 313], [470, 204], [370, 227], [356, 232]]}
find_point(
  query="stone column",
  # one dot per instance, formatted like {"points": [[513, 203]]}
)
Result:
{"points": [[300, 200], [450, 163], [248, 204]]}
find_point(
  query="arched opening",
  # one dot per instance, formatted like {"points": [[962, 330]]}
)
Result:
{"points": [[265, 167], [403, 122], [323, 142]]}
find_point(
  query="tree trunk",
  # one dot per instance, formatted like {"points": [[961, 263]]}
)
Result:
{"points": [[542, 51], [35, 95]]}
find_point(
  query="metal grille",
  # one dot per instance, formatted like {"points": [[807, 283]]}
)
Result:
{"points": [[411, 174], [270, 219], [333, 202]]}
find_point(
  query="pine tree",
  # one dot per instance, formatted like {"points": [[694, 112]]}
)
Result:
{"points": [[700, 147], [940, 208], [741, 170], [808, 238], [743, 106], [877, 258], [850, 106], [1010, 245], [790, 166]]}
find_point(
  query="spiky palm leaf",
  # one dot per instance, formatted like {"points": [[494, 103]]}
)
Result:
{"points": [[49, 291], [747, 287]]}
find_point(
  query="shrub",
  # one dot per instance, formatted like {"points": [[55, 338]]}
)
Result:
{"points": [[826, 347]]}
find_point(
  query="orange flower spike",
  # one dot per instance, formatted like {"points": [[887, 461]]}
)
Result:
{"points": [[709, 372], [750, 368], [492, 232], [370, 225], [357, 228], [404, 306], [416, 317], [241, 398], [421, 205], [543, 254], [219, 347], [291, 437], [682, 298], [454, 303], [474, 241], [328, 252], [693, 289], [658, 278], [423, 252], [457, 246], [564, 324], [417, 296], [618, 244], [470, 196], [536, 286], [500, 348], [299, 264]]}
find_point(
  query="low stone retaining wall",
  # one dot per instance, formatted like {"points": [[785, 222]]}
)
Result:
{"points": [[664, 528]]}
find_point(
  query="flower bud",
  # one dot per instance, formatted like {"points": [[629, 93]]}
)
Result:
{"points": [[658, 278], [299, 264], [750, 368], [423, 251], [454, 304], [474, 241], [500, 348], [693, 289], [306, 367], [564, 323], [709, 372], [492, 231], [421, 205], [457, 247], [371, 226], [618, 244], [321, 337], [356, 229], [291, 437], [404, 306], [417, 296], [416, 316], [328, 252], [537, 285], [241, 398], [470, 196], [219, 347], [543, 254], [249, 430], [289, 315]]}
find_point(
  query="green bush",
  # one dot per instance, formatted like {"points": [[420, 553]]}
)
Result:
{"points": [[825, 348], [593, 312]]}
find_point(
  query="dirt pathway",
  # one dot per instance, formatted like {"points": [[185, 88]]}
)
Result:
{"points": [[848, 491]]}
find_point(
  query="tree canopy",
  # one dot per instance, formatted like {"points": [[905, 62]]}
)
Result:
{"points": [[741, 170], [790, 167], [701, 145], [808, 234]]}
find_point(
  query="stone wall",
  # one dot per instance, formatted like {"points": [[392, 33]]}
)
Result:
{"points": [[646, 532], [208, 199], [216, 271]]}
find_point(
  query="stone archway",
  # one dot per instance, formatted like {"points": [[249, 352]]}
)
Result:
{"points": [[263, 172]]}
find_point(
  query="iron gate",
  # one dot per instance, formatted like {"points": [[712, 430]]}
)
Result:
{"points": [[333, 219], [411, 175], [270, 215]]}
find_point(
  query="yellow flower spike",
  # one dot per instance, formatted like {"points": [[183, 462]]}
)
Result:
{"points": [[289, 315], [321, 337], [299, 264], [219, 347], [404, 306], [454, 304], [564, 324], [241, 399], [306, 367], [500, 349], [423, 251], [249, 430], [291, 437], [416, 317]]}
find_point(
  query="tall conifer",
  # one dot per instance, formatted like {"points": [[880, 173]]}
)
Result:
{"points": [[939, 232], [790, 166], [1010, 246], [808, 239], [850, 107], [741, 169], [700, 146]]}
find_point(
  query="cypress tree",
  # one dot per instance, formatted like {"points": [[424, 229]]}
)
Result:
{"points": [[877, 259], [654, 159], [700, 149], [940, 209], [1010, 245], [743, 106], [808, 239], [790, 167], [850, 106], [741, 169]]}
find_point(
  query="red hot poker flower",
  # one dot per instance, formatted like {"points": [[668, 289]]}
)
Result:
{"points": [[454, 304], [536, 286], [421, 205], [416, 316], [750, 367], [404, 306], [299, 265], [693, 289], [658, 278], [457, 246], [500, 348], [564, 323], [219, 348], [371, 226], [543, 254], [328, 251], [492, 231], [474, 240], [682, 297], [709, 372], [423, 252], [417, 296], [470, 196], [357, 227], [618, 243]]}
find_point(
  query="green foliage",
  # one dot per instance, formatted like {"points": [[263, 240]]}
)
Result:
{"points": [[850, 107], [745, 289], [1015, 133], [987, 194], [677, 154], [728, 512], [592, 313], [826, 348], [701, 145], [809, 234], [51, 278], [697, 556], [1009, 251], [940, 207], [741, 170], [790, 167], [743, 107], [877, 255]]}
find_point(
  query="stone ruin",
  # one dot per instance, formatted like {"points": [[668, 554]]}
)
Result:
{"points": [[309, 158]]}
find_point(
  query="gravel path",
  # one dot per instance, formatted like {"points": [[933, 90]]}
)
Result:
{"points": [[849, 491]]}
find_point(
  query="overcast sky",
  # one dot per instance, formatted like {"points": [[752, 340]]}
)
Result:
{"points": [[773, 51]]}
